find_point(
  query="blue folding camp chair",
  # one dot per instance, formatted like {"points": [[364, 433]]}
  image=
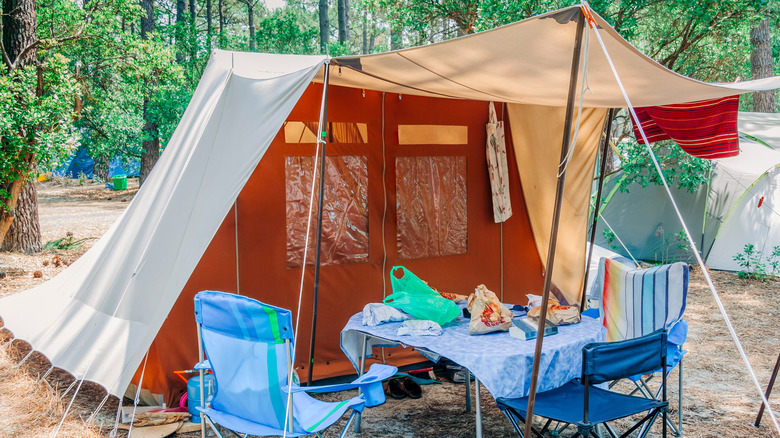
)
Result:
{"points": [[650, 299], [580, 403], [249, 349]]}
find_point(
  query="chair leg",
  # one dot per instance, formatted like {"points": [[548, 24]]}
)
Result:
{"points": [[647, 392], [645, 423], [610, 430], [513, 421], [213, 426], [515, 418], [679, 431], [517, 426], [560, 427], [346, 426], [546, 425]]}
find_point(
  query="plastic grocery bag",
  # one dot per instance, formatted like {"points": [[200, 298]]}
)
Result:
{"points": [[416, 298], [487, 313]]}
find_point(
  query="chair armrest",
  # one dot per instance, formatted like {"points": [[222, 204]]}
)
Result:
{"points": [[369, 383], [678, 333], [376, 373]]}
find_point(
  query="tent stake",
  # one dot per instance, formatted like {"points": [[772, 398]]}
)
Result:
{"points": [[322, 139], [604, 145], [575, 67]]}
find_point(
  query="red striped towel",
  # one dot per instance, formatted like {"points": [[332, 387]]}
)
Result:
{"points": [[704, 129]]}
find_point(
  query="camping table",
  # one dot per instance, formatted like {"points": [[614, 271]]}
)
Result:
{"points": [[502, 363]]}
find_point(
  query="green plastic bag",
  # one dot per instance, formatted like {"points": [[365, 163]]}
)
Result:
{"points": [[416, 298]]}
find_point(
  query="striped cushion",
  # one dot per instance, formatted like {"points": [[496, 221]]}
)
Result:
{"points": [[638, 302], [704, 129]]}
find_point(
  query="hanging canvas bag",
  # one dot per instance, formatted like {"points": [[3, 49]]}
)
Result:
{"points": [[497, 167]]}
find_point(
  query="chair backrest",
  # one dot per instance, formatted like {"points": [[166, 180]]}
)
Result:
{"points": [[636, 302], [607, 361], [244, 341]]}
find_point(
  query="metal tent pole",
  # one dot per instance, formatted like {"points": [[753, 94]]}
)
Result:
{"points": [[604, 148], [575, 67], [768, 392], [322, 140]]}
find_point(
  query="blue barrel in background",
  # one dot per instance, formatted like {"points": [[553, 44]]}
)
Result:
{"points": [[193, 393]]}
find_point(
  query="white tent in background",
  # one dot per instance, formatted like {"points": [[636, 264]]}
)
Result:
{"points": [[743, 200], [98, 319], [741, 205]]}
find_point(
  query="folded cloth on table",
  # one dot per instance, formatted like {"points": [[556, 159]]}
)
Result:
{"points": [[420, 327], [378, 313]]}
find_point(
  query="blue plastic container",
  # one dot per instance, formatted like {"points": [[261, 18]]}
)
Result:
{"points": [[193, 394]]}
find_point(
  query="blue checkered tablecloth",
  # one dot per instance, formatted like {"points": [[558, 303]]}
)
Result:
{"points": [[502, 363]]}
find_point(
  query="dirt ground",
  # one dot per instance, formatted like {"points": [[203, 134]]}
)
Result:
{"points": [[719, 399]]}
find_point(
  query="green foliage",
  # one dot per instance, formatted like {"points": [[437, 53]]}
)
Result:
{"points": [[35, 121], [679, 168], [609, 236], [752, 266], [774, 261], [118, 72], [66, 243], [672, 245], [289, 30]]}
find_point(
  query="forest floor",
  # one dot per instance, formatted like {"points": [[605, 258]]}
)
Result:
{"points": [[719, 397]]}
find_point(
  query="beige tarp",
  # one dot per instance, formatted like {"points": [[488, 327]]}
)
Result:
{"points": [[537, 132], [530, 62]]}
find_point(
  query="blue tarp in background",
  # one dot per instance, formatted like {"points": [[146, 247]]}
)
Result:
{"points": [[81, 162]]}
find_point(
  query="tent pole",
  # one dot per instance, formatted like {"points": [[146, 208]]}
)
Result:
{"points": [[604, 145], [322, 140], [575, 67], [235, 214], [768, 392]]}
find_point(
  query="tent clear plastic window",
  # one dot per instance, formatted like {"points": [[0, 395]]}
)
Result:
{"points": [[338, 132], [431, 203], [345, 218]]}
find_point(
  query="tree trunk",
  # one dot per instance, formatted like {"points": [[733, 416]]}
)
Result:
{"points": [[18, 26], [761, 66], [250, 11], [25, 232], [8, 214], [324, 26], [208, 24], [180, 31], [150, 146], [395, 38], [193, 39], [19, 228], [372, 40], [151, 143], [100, 169], [221, 24], [364, 47], [343, 13], [147, 20]]}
